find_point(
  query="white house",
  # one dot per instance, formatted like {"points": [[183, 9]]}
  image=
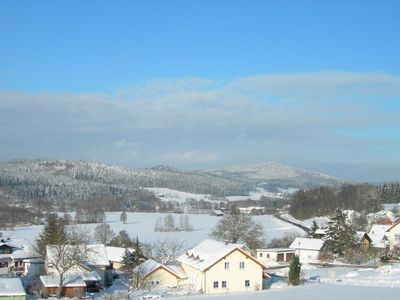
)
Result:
{"points": [[214, 267], [274, 256], [307, 249], [393, 235]]}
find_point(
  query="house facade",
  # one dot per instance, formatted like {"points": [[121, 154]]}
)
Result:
{"points": [[213, 267], [275, 255], [393, 235]]}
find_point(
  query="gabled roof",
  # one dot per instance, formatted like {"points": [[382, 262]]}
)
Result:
{"points": [[20, 250], [377, 235], [11, 287], [209, 252], [150, 265], [307, 244], [393, 226], [362, 234]]}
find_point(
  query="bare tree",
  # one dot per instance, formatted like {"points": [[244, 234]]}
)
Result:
{"points": [[124, 217], [168, 250], [236, 227], [103, 234], [169, 223], [158, 226], [184, 223], [67, 254]]}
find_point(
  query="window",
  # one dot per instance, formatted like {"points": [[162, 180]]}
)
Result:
{"points": [[215, 284], [267, 255], [158, 282], [241, 265], [261, 255], [226, 265], [397, 237], [247, 283], [223, 284]]}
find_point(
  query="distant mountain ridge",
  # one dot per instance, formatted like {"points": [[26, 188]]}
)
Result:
{"points": [[73, 181]]}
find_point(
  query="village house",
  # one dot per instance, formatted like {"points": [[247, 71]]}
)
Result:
{"points": [[363, 239], [157, 275], [214, 267], [11, 289], [275, 256], [307, 249], [12, 255], [393, 235]]}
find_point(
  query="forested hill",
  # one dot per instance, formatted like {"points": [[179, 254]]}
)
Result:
{"points": [[360, 197], [68, 182]]}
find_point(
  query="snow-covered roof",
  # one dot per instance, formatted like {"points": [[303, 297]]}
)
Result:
{"points": [[307, 244], [11, 287], [361, 234], [96, 254], [91, 276], [207, 253], [321, 231], [150, 265], [70, 280], [275, 250], [20, 250], [377, 235], [116, 254]]}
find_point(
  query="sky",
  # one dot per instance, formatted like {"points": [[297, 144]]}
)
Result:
{"points": [[204, 84]]}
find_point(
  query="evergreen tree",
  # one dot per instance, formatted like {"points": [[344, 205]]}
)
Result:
{"points": [[53, 234], [295, 271], [340, 236], [314, 228]]}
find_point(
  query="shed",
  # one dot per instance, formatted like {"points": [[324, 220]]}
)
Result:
{"points": [[73, 286], [11, 289]]}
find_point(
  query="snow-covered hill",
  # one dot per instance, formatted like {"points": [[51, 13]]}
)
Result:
{"points": [[277, 177], [63, 181]]}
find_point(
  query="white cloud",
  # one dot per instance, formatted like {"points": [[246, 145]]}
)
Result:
{"points": [[292, 118]]}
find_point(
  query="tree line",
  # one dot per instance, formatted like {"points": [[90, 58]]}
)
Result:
{"points": [[324, 201]]}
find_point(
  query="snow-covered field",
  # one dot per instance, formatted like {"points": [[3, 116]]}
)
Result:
{"points": [[142, 225], [312, 292], [166, 194]]}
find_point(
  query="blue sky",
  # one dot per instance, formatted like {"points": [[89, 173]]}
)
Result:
{"points": [[202, 84]]}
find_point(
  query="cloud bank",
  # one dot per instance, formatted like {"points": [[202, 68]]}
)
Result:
{"points": [[346, 124]]}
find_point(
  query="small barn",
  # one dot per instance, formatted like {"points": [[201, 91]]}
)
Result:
{"points": [[73, 286]]}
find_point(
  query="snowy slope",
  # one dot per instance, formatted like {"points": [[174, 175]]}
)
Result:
{"points": [[165, 194]]}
